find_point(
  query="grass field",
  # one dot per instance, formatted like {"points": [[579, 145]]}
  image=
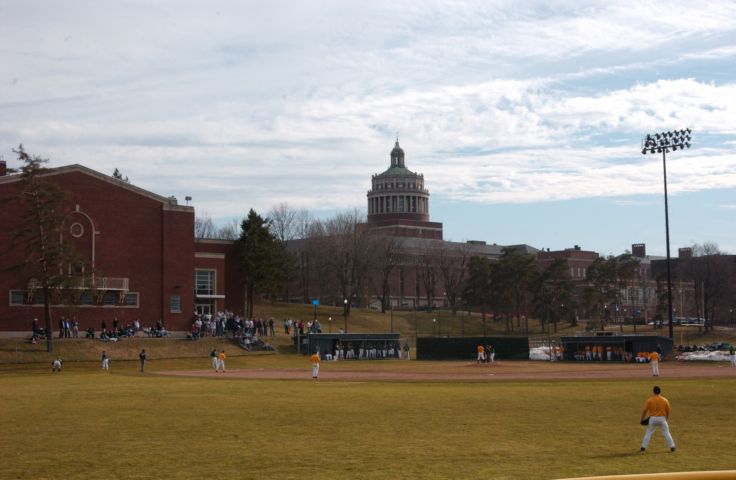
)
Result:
{"points": [[84, 423]]}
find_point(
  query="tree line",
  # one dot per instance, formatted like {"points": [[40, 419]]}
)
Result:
{"points": [[340, 259]]}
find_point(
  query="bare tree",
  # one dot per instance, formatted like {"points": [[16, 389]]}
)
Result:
{"points": [[230, 230], [427, 271], [284, 222], [304, 240], [347, 246], [204, 226], [711, 271], [387, 257], [452, 263]]}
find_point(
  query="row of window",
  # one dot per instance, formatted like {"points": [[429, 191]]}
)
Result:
{"points": [[387, 186], [397, 203], [20, 298], [204, 285], [109, 299]]}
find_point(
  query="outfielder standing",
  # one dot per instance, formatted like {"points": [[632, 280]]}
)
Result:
{"points": [[221, 362], [105, 361], [658, 409], [654, 362], [315, 364]]}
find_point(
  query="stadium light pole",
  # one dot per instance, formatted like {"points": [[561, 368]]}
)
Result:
{"points": [[664, 142], [345, 312]]}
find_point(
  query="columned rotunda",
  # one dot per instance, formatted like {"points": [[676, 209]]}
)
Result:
{"points": [[398, 203]]}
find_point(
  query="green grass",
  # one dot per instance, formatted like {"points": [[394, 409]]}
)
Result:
{"points": [[84, 423]]}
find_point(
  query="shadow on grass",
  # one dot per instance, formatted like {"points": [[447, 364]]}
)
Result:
{"points": [[628, 453]]}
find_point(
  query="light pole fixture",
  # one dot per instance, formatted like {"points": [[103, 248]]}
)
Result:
{"points": [[345, 312], [664, 142]]}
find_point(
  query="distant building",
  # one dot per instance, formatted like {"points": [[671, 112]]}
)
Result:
{"points": [[578, 260], [398, 203]]}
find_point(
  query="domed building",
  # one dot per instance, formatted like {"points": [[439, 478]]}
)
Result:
{"points": [[398, 203]]}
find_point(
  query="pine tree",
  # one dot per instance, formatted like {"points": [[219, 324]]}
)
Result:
{"points": [[262, 260], [50, 262]]}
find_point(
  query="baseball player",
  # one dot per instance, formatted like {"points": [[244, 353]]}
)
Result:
{"points": [[658, 409], [315, 364]]}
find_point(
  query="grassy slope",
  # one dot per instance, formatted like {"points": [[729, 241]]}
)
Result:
{"points": [[408, 323]]}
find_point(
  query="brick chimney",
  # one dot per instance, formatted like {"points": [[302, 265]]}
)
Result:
{"points": [[3, 168], [639, 250]]}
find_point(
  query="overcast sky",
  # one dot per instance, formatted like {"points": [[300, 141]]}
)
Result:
{"points": [[526, 118]]}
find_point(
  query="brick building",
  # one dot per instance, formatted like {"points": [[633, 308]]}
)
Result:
{"points": [[578, 260], [145, 263]]}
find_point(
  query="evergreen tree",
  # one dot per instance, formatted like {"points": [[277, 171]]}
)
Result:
{"points": [[50, 263], [262, 260]]}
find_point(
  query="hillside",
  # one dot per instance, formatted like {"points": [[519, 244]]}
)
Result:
{"points": [[408, 323]]}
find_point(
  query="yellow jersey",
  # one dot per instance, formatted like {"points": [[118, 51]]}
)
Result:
{"points": [[657, 406]]}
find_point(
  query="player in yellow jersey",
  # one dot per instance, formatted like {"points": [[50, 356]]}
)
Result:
{"points": [[658, 409], [315, 364], [654, 362], [221, 362]]}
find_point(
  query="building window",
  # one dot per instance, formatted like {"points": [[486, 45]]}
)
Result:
{"points": [[108, 299], [131, 299], [204, 281], [38, 297], [86, 298], [175, 304], [17, 297]]}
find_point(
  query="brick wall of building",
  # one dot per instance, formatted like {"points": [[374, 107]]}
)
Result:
{"points": [[128, 233]]}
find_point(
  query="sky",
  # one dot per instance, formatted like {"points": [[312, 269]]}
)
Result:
{"points": [[525, 118]]}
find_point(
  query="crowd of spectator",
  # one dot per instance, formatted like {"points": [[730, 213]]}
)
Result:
{"points": [[69, 328]]}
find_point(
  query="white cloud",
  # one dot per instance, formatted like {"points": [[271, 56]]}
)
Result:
{"points": [[247, 104]]}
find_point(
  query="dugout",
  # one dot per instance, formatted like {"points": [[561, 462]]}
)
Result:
{"points": [[354, 346], [465, 348], [628, 345]]}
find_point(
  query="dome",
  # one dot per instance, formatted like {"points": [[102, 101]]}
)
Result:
{"points": [[397, 155]]}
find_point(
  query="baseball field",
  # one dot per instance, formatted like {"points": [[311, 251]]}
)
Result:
{"points": [[266, 418]]}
